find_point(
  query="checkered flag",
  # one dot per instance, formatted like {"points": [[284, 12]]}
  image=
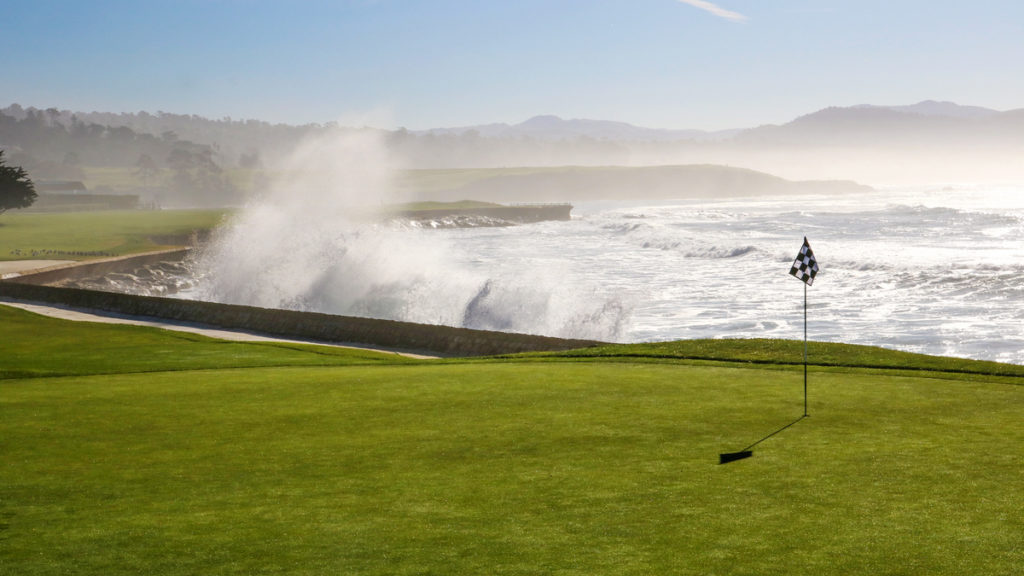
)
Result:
{"points": [[805, 267]]}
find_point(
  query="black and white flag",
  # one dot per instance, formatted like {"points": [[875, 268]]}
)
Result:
{"points": [[805, 267]]}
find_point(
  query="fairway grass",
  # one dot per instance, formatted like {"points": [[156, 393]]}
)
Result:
{"points": [[35, 345], [506, 466], [86, 235]]}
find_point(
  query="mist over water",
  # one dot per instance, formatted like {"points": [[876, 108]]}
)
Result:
{"points": [[929, 270], [313, 243], [933, 270]]}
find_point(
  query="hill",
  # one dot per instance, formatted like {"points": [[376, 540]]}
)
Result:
{"points": [[550, 127], [935, 108], [938, 124], [579, 183], [187, 160]]}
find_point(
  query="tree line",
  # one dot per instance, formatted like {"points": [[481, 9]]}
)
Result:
{"points": [[180, 159], [51, 145], [50, 134]]}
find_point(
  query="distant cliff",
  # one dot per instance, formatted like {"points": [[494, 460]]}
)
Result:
{"points": [[582, 183]]}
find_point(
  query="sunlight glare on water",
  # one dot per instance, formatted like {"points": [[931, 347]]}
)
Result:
{"points": [[939, 271], [935, 271]]}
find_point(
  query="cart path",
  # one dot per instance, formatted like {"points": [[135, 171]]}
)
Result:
{"points": [[86, 315], [9, 268]]}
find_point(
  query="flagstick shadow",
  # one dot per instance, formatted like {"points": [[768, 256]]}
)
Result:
{"points": [[774, 433], [748, 451]]}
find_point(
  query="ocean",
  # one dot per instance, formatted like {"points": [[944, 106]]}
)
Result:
{"points": [[933, 270]]}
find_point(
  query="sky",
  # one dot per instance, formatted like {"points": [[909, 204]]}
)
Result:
{"points": [[419, 64]]}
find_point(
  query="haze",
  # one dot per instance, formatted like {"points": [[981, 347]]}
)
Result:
{"points": [[389, 64]]}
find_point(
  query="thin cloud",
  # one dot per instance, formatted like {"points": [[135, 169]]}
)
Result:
{"points": [[716, 10]]}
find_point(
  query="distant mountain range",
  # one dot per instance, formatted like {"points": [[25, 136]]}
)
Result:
{"points": [[853, 124], [927, 124], [930, 141], [549, 127], [922, 120], [934, 108]]}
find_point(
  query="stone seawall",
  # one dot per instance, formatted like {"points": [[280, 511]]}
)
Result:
{"points": [[406, 336]]}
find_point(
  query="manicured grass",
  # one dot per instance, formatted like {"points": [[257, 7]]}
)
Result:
{"points": [[84, 235], [35, 346], [603, 465], [117, 178], [126, 179], [790, 352]]}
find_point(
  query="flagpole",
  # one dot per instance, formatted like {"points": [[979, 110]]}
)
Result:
{"points": [[805, 268], [805, 349]]}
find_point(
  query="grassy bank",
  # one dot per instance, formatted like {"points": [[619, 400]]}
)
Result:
{"points": [[132, 450], [126, 179], [85, 235]]}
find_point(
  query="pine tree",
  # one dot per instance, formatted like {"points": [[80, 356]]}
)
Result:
{"points": [[16, 189]]}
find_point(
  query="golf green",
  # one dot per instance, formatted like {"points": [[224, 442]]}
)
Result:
{"points": [[509, 467]]}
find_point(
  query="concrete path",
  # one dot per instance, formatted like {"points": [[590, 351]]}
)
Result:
{"points": [[84, 315], [17, 267]]}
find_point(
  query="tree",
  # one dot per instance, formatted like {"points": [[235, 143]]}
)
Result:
{"points": [[250, 161], [16, 189], [146, 168], [198, 178]]}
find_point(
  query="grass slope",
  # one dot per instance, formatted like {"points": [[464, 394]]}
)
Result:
{"points": [[36, 346], [790, 352], [602, 465], [82, 235]]}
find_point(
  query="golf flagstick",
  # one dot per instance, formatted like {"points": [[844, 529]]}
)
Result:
{"points": [[804, 268]]}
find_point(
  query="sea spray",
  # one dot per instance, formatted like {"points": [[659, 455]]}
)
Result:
{"points": [[933, 271], [314, 241]]}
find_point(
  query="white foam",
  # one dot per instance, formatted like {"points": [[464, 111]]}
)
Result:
{"points": [[309, 245], [935, 271]]}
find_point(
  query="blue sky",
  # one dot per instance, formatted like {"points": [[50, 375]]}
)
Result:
{"points": [[433, 63]]}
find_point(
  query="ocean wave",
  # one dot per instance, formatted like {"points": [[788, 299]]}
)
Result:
{"points": [[895, 272], [901, 219], [157, 279], [515, 307], [622, 228], [453, 221], [674, 237], [716, 252], [859, 266], [661, 244]]}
